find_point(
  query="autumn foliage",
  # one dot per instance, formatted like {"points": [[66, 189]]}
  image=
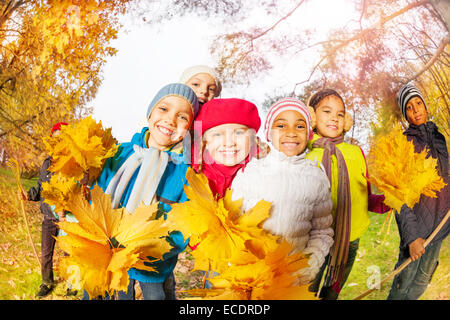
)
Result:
{"points": [[402, 174], [105, 243], [51, 57], [80, 148]]}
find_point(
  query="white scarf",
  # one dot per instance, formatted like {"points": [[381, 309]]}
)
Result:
{"points": [[151, 164]]}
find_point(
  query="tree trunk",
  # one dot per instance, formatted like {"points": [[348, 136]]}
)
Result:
{"points": [[442, 7]]}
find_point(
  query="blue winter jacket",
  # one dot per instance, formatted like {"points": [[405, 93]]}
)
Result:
{"points": [[170, 190]]}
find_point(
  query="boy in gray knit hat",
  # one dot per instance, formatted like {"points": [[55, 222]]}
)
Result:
{"points": [[151, 168], [416, 224]]}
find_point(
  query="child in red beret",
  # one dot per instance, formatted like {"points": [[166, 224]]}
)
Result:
{"points": [[224, 140]]}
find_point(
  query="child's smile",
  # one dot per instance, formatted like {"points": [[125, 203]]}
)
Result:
{"points": [[228, 144], [290, 145], [289, 133], [330, 114], [165, 130], [169, 122]]}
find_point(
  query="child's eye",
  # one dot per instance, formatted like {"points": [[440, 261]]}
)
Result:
{"points": [[300, 126], [163, 108], [281, 126], [212, 89], [341, 115], [183, 117], [239, 132]]}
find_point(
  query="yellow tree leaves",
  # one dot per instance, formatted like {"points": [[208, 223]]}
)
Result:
{"points": [[52, 57], [59, 191], [400, 173], [217, 224], [269, 278], [80, 148], [251, 262], [106, 243]]}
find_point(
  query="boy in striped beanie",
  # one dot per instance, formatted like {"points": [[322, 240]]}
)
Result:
{"points": [[416, 224]]}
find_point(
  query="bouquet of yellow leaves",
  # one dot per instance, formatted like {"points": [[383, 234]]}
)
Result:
{"points": [[212, 224], [402, 174], [269, 278], [251, 262], [59, 191], [106, 243], [80, 149]]}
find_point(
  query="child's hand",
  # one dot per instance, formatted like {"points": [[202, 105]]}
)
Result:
{"points": [[61, 215], [416, 249], [263, 148]]}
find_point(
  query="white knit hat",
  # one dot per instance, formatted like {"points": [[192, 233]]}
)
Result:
{"points": [[192, 71], [288, 104]]}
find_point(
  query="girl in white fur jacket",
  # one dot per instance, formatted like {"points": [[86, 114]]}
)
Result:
{"points": [[298, 188]]}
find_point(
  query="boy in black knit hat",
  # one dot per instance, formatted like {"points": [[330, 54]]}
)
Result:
{"points": [[416, 224]]}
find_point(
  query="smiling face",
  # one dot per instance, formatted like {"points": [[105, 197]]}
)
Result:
{"points": [[229, 144], [204, 87], [330, 115], [416, 111], [289, 133], [168, 122]]}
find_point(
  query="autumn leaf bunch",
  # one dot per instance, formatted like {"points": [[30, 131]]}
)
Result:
{"points": [[59, 191], [81, 148], [402, 174], [105, 243]]}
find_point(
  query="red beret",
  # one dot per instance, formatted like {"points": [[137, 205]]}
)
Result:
{"points": [[58, 126], [222, 111]]}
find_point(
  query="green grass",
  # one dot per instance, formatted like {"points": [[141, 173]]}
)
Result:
{"points": [[20, 275], [374, 256]]}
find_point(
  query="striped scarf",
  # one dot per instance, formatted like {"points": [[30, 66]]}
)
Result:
{"points": [[339, 252], [151, 164]]}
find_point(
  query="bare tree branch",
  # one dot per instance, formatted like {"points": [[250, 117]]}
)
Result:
{"points": [[433, 59], [278, 22], [360, 35]]}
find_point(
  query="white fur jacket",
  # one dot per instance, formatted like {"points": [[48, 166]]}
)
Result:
{"points": [[299, 191]]}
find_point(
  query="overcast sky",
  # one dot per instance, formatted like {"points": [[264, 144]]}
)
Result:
{"points": [[149, 58]]}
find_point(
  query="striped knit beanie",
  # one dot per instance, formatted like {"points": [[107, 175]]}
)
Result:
{"points": [[178, 90], [288, 104], [405, 94]]}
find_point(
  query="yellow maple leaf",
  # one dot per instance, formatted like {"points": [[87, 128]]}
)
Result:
{"points": [[80, 148], [106, 243], [270, 278], [219, 229], [402, 174], [59, 190]]}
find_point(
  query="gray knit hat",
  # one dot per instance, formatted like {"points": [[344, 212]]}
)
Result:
{"points": [[405, 94], [179, 90]]}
